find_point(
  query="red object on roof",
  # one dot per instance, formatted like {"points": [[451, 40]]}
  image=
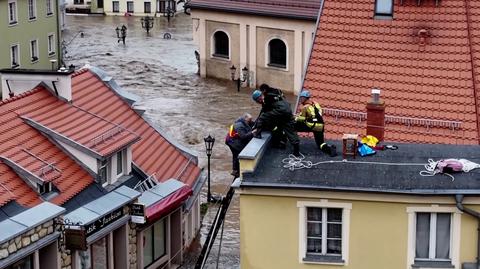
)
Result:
{"points": [[425, 61], [168, 203], [25, 148], [301, 9], [153, 153]]}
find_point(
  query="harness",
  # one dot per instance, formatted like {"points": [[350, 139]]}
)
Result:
{"points": [[318, 119]]}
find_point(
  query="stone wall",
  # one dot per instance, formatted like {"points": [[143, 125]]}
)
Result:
{"points": [[24, 240], [132, 245], [66, 259]]}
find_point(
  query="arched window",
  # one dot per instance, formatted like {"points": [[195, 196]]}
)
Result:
{"points": [[277, 51], [221, 47]]}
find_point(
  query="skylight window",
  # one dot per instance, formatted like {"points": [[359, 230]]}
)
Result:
{"points": [[384, 8]]}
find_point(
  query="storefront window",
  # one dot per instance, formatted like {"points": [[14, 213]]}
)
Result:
{"points": [[25, 263], [95, 257], [154, 243]]}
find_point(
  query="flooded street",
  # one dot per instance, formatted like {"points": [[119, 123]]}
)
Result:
{"points": [[163, 73]]}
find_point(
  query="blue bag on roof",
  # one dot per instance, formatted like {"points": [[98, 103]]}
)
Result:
{"points": [[365, 150]]}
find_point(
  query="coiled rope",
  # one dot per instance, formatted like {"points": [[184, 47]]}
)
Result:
{"points": [[293, 163]]}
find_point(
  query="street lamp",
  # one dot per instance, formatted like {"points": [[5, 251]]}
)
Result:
{"points": [[121, 34], [242, 77], [147, 23], [209, 141]]}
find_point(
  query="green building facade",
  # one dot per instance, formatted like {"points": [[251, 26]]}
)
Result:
{"points": [[29, 34]]}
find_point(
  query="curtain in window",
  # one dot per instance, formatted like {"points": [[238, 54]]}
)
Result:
{"points": [[443, 236], [423, 235]]}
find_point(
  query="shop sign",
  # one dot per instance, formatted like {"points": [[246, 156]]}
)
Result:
{"points": [[137, 211], [75, 238], [103, 221]]}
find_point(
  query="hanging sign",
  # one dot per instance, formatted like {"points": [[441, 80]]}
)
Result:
{"points": [[75, 238], [137, 211]]}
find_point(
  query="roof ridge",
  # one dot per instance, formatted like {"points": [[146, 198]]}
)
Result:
{"points": [[22, 95], [79, 72]]}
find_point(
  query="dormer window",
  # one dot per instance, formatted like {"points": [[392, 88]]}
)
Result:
{"points": [[119, 163], [44, 188], [384, 8], [103, 172]]}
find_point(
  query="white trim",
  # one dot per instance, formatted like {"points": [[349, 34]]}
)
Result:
{"points": [[14, 22], [34, 10], [54, 45], [18, 55], [36, 50], [267, 53], [120, 153], [212, 45], [302, 231], [455, 232]]}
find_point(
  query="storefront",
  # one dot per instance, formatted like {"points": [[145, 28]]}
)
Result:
{"points": [[29, 240], [99, 238], [160, 238]]}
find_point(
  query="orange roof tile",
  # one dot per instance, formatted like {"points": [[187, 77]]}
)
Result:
{"points": [[154, 154], [353, 52]]}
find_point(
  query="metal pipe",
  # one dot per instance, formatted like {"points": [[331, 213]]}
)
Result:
{"points": [[475, 214]]}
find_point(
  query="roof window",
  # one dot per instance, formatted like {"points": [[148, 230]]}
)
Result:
{"points": [[384, 8]]}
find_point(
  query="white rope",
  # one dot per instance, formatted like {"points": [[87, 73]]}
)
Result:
{"points": [[293, 163]]}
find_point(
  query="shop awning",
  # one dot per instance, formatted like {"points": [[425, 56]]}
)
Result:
{"points": [[164, 197]]}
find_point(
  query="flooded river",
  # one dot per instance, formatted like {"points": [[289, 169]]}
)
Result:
{"points": [[163, 73]]}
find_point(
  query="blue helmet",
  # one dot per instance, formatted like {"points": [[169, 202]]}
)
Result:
{"points": [[256, 94], [305, 93]]}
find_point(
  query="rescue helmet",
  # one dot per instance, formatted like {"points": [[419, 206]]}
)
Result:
{"points": [[305, 93], [256, 94]]}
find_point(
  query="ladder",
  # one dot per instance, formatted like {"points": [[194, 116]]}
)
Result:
{"points": [[217, 223]]}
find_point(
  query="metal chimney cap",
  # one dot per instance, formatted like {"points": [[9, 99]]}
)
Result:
{"points": [[376, 91]]}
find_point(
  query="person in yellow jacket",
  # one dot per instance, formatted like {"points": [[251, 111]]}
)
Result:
{"points": [[310, 120]]}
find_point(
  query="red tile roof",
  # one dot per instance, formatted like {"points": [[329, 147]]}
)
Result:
{"points": [[353, 53], [101, 137], [27, 149], [302, 9], [153, 153]]}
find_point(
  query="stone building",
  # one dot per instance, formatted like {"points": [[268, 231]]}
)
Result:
{"points": [[128, 195], [270, 38]]}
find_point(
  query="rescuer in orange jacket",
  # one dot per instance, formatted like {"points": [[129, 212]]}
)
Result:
{"points": [[239, 134]]}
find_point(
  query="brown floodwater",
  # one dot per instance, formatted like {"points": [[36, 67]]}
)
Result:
{"points": [[163, 73]]}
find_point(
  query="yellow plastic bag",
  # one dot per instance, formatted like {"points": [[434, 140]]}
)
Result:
{"points": [[370, 140]]}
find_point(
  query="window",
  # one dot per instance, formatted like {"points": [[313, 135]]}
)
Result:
{"points": [[154, 243], [25, 263], [44, 188], [32, 9], [103, 172], [34, 50], [14, 56], [49, 7], [99, 3], [277, 51], [221, 45], [384, 8], [116, 6], [119, 163], [323, 237], [12, 12], [147, 7], [78, 2], [432, 240], [96, 255], [51, 44], [130, 6]]}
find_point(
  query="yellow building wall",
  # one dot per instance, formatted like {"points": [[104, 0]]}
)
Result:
{"points": [[378, 234]]}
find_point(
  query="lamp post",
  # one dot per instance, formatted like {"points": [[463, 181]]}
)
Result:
{"points": [[209, 141], [243, 76], [147, 23], [121, 34]]}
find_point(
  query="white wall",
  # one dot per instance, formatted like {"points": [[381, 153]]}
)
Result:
{"points": [[20, 83], [87, 160]]}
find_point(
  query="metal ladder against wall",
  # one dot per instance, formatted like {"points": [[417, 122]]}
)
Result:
{"points": [[217, 223]]}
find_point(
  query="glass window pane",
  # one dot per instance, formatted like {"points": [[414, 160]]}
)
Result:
{"points": [[278, 52], [119, 163], [314, 213], [314, 246], [443, 236], [423, 235], [147, 246], [384, 6], [159, 239], [314, 229], [334, 215], [334, 246], [221, 43], [334, 230]]}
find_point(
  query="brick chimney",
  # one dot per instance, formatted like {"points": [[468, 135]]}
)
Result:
{"points": [[376, 116]]}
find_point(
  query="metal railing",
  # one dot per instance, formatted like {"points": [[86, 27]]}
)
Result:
{"points": [[146, 184], [107, 135]]}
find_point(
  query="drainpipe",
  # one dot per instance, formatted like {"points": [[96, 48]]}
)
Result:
{"points": [[475, 214]]}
